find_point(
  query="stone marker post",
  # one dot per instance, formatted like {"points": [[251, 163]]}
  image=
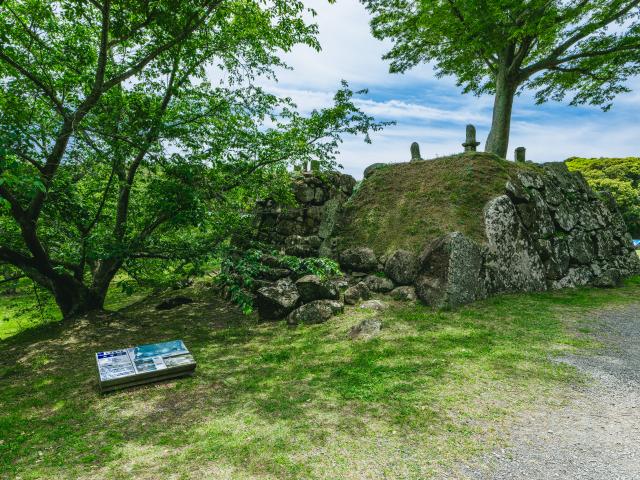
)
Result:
{"points": [[415, 152], [521, 154], [315, 165], [471, 143]]}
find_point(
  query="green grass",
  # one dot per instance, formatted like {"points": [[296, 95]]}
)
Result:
{"points": [[406, 205], [269, 401], [29, 308], [26, 308]]}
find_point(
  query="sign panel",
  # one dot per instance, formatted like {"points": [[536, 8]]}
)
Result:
{"points": [[143, 364]]}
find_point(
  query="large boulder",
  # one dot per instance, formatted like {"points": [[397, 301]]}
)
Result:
{"points": [[581, 248], [378, 284], [358, 292], [318, 311], [512, 262], [608, 278], [451, 272], [359, 259], [277, 301], [377, 305], [312, 287], [575, 277], [402, 267]]}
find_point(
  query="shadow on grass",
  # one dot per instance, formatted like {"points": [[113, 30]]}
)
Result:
{"points": [[271, 400]]}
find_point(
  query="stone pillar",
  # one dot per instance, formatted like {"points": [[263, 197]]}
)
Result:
{"points": [[415, 152], [315, 165], [521, 154], [470, 144]]}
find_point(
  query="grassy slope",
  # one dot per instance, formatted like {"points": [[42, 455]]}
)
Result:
{"points": [[288, 403], [408, 204]]}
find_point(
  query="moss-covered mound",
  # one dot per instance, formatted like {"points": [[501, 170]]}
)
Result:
{"points": [[406, 205]]}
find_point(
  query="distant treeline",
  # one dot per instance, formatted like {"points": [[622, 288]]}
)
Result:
{"points": [[620, 176]]}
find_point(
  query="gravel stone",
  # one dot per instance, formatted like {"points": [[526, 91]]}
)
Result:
{"points": [[595, 437]]}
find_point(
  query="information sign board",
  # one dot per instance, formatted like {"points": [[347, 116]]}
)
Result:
{"points": [[143, 364]]}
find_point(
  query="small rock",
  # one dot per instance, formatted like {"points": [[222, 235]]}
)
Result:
{"points": [[274, 274], [378, 284], [367, 328], [173, 302], [404, 294], [376, 305], [340, 283], [318, 311], [356, 293]]}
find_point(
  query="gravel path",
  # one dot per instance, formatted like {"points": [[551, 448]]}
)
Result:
{"points": [[596, 436]]}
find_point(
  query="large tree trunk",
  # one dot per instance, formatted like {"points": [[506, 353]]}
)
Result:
{"points": [[75, 299], [498, 139]]}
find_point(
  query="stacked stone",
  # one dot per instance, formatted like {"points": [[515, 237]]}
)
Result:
{"points": [[548, 231], [311, 299], [565, 234], [302, 230]]}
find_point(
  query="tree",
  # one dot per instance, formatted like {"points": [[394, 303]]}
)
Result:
{"points": [[621, 177], [585, 48], [117, 150]]}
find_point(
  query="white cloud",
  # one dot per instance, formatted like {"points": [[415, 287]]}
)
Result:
{"points": [[433, 111]]}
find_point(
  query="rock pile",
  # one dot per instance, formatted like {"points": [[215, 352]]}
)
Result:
{"points": [[303, 230], [309, 300]]}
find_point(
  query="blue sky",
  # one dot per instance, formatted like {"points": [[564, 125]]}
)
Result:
{"points": [[433, 111]]}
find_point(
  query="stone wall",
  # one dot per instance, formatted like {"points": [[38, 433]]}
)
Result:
{"points": [[548, 231], [304, 230]]}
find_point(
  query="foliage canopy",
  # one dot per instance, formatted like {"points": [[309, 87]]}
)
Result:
{"points": [[621, 177], [585, 49], [120, 151]]}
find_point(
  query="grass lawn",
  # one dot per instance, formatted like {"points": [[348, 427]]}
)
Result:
{"points": [[29, 308], [273, 402]]}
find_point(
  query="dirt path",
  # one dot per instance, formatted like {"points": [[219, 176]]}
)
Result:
{"points": [[595, 437]]}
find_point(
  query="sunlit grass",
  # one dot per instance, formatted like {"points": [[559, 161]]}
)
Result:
{"points": [[269, 401], [32, 306]]}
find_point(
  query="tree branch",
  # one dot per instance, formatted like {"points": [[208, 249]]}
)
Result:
{"points": [[53, 161], [192, 26], [489, 60], [48, 92], [27, 158], [152, 136], [582, 33]]}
